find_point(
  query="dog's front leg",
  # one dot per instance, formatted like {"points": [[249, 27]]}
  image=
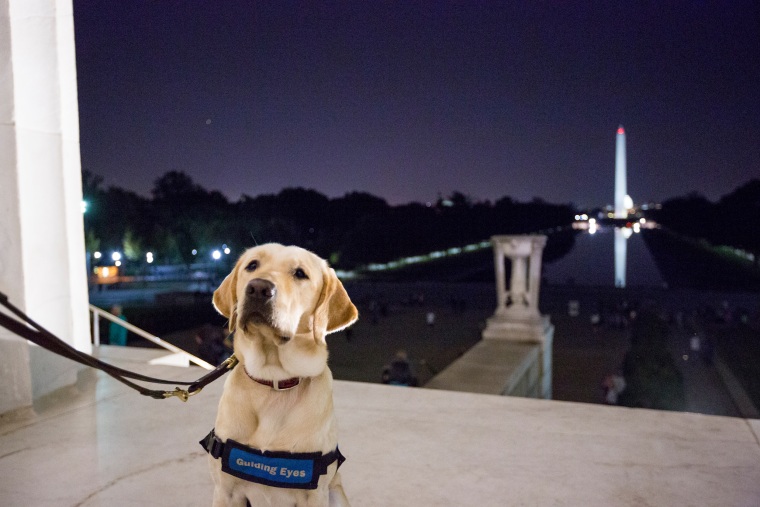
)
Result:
{"points": [[225, 492], [220, 498], [223, 498], [337, 495]]}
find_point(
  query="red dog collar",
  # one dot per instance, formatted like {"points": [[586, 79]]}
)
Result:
{"points": [[281, 385]]}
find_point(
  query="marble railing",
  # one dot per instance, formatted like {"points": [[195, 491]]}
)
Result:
{"points": [[494, 367]]}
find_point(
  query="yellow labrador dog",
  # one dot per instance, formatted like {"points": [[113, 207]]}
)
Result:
{"points": [[275, 441]]}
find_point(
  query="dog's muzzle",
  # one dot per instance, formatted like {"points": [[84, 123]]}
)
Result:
{"points": [[258, 306]]}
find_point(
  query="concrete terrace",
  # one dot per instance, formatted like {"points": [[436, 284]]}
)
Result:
{"points": [[101, 444]]}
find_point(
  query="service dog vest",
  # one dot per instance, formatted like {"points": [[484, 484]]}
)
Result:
{"points": [[271, 468]]}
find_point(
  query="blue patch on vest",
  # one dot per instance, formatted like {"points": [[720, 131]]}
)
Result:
{"points": [[278, 469]]}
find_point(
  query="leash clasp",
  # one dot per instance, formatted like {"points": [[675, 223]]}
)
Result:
{"points": [[182, 394], [231, 362]]}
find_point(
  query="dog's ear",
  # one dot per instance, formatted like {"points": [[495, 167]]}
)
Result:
{"points": [[334, 310], [225, 298]]}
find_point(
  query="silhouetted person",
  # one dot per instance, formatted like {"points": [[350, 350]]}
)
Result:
{"points": [[399, 371], [210, 340], [117, 334]]}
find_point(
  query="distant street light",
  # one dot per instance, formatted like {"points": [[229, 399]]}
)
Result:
{"points": [[97, 255], [149, 257], [116, 256], [216, 255]]}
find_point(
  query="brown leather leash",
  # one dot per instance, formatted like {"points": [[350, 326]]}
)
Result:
{"points": [[26, 328]]}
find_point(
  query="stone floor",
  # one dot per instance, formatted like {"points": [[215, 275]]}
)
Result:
{"points": [[103, 445]]}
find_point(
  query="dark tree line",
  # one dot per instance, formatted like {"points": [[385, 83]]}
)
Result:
{"points": [[352, 230], [360, 228], [734, 220]]}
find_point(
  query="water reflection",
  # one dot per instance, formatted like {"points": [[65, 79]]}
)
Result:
{"points": [[621, 250], [592, 261]]}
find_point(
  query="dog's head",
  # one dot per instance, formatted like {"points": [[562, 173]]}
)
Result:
{"points": [[285, 300]]}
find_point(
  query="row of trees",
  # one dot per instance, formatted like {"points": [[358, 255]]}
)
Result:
{"points": [[733, 220], [352, 230], [360, 228]]}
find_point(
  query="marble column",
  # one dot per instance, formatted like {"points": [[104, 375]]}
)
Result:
{"points": [[42, 255]]}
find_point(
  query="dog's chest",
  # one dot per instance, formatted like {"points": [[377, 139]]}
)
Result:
{"points": [[281, 421]]}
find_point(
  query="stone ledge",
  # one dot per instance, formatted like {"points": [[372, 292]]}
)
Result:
{"points": [[405, 447]]}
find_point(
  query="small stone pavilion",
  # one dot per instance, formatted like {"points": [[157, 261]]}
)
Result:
{"points": [[515, 356]]}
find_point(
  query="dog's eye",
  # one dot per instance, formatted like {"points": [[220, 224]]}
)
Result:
{"points": [[300, 274], [252, 266]]}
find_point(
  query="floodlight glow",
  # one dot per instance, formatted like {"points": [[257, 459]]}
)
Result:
{"points": [[84, 206], [149, 257], [216, 255], [97, 255], [226, 250], [116, 256], [194, 252], [117, 263]]}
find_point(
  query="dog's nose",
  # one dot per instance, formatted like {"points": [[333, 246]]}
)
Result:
{"points": [[260, 289]]}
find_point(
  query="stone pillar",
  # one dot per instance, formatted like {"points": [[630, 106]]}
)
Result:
{"points": [[42, 255], [517, 317]]}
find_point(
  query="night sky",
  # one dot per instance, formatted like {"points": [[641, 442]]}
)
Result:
{"points": [[408, 100]]}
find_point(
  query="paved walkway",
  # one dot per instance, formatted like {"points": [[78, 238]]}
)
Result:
{"points": [[706, 392], [583, 356]]}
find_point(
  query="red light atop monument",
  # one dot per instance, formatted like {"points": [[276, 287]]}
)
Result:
{"points": [[620, 130]]}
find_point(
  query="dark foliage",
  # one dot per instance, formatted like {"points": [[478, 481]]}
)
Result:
{"points": [[360, 228], [352, 230], [733, 221], [651, 376]]}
